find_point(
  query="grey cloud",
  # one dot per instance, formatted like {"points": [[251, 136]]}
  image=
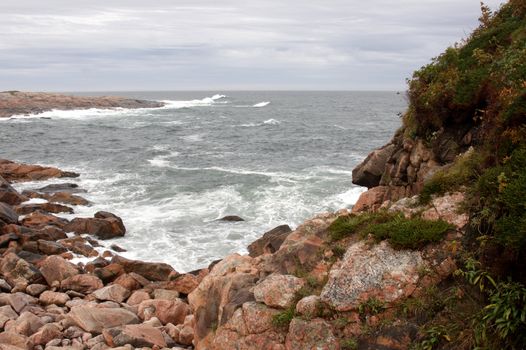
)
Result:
{"points": [[162, 44]]}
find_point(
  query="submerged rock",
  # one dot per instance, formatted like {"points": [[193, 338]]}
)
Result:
{"points": [[231, 218]]}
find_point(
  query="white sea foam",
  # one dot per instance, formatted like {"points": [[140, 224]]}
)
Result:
{"points": [[77, 113], [266, 122], [35, 201], [261, 104], [207, 101], [272, 122]]}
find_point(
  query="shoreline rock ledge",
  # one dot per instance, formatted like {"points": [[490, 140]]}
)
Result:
{"points": [[25, 103]]}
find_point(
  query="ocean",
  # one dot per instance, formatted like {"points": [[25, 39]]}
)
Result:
{"points": [[271, 158]]}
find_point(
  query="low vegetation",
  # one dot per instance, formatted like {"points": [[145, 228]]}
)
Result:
{"points": [[401, 232]]}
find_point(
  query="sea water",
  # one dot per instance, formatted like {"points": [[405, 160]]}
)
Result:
{"points": [[271, 158]]}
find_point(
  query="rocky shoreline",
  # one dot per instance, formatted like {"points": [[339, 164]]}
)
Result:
{"points": [[27, 103], [48, 302]]}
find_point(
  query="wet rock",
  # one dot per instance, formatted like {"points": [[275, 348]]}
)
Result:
{"points": [[40, 220], [7, 215], [150, 271], [79, 245], [8, 194], [371, 272], [113, 292], [369, 172], [63, 187], [135, 335], [117, 248], [56, 269], [58, 197], [26, 209], [314, 334], [167, 311], [12, 171], [270, 242], [231, 218], [94, 320], [278, 290], [103, 226], [50, 247], [84, 283]]}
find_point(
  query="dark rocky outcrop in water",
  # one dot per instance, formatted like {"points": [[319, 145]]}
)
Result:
{"points": [[23, 103]]}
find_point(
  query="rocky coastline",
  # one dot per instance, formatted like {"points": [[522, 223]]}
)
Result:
{"points": [[304, 276], [29, 103]]}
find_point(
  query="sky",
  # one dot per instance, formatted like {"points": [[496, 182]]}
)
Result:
{"points": [[132, 45]]}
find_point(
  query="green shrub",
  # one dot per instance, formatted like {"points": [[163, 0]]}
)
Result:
{"points": [[349, 344], [412, 233], [345, 226], [463, 171], [371, 306], [505, 316], [283, 319]]}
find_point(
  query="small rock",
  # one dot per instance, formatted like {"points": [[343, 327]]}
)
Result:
{"points": [[231, 218], [114, 292], [56, 298], [165, 294], [82, 283]]}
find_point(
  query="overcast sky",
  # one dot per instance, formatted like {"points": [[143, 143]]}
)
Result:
{"points": [[65, 45]]}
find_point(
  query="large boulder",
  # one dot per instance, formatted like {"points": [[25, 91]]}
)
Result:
{"points": [[8, 194], [16, 270], [39, 220], [370, 171], [220, 293], [94, 319], [366, 272], [103, 225], [7, 215], [55, 208], [12, 171], [56, 269], [149, 270], [270, 242], [58, 197]]}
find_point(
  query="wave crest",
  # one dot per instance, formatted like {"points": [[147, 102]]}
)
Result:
{"points": [[261, 104]]}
